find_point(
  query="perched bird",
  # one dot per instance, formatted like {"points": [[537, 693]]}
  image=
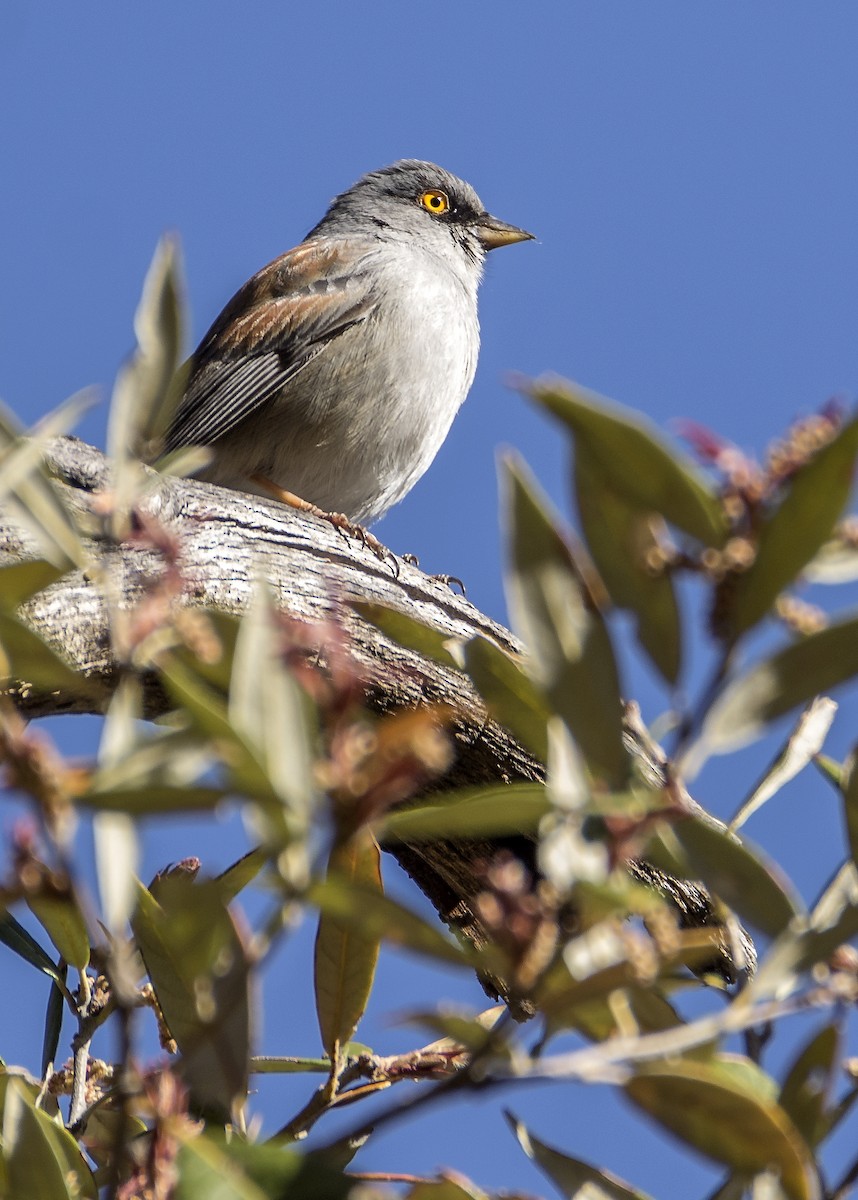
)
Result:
{"points": [[333, 375]]}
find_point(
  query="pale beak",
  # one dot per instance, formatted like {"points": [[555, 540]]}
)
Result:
{"points": [[492, 233]]}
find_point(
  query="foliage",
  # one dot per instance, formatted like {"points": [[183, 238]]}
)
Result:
{"points": [[587, 945]]}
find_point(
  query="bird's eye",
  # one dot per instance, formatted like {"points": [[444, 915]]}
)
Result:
{"points": [[435, 202]]}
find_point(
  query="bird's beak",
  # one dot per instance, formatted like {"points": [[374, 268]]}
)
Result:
{"points": [[492, 233]]}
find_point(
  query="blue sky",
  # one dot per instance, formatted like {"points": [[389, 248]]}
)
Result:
{"points": [[690, 171]]}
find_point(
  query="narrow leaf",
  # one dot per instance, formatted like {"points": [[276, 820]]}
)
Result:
{"points": [[344, 959], [809, 1082], [811, 667], [54, 1014], [815, 497], [738, 874], [620, 538], [728, 1115], [555, 611], [509, 694], [473, 813], [632, 457], [408, 632], [196, 960], [803, 744], [573, 1178]]}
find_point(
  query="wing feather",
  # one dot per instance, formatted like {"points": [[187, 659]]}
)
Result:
{"points": [[273, 327]]}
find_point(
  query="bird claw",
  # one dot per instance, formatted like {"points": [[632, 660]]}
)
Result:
{"points": [[350, 530], [449, 580]]}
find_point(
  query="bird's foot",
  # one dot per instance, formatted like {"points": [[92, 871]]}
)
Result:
{"points": [[340, 522], [414, 561]]}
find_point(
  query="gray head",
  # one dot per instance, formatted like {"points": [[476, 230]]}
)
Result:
{"points": [[414, 198]]}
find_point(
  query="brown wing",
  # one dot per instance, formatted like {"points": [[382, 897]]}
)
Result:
{"points": [[271, 329]]}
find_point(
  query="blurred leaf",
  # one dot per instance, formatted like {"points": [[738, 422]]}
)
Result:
{"points": [[692, 848], [814, 499], [811, 667], [807, 1087], [26, 489], [33, 664], [54, 1014], [447, 1189], [554, 611], [212, 1169], [207, 710], [241, 873], [509, 694], [117, 851], [619, 535], [470, 813], [409, 632], [344, 958], [153, 800], [19, 581], [147, 390], [268, 1064], [574, 1179], [833, 922], [724, 1107], [803, 744], [465, 1029], [377, 916], [849, 788], [627, 452], [42, 1159], [270, 713], [197, 963], [62, 920], [15, 936]]}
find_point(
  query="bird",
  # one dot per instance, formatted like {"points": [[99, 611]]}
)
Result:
{"points": [[332, 377]]}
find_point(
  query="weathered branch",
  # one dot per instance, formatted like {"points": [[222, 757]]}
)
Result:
{"points": [[228, 540]]}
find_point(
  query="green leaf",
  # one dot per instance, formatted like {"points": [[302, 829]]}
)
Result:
{"points": [[810, 1079], [802, 746], [849, 789], [20, 581], [62, 920], [54, 1014], [800, 947], [235, 878], [509, 694], [793, 676], [729, 1115], [471, 813], [555, 612], [447, 1189], [207, 710], [573, 1178], [619, 536], [377, 916], [211, 1169], [407, 631], [147, 390], [269, 1064], [198, 966], [26, 490], [154, 800], [15, 936], [41, 1158], [270, 713], [814, 499], [32, 664], [695, 849], [628, 453], [344, 958]]}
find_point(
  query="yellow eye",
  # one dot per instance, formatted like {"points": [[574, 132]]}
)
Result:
{"points": [[435, 202]]}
